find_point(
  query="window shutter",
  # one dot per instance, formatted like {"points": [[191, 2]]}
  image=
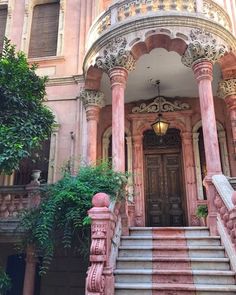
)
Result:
{"points": [[3, 20], [43, 41]]}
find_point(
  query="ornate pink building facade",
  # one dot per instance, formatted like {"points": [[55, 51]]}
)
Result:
{"points": [[102, 66]]}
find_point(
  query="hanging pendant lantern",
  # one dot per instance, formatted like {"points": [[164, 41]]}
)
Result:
{"points": [[161, 126]]}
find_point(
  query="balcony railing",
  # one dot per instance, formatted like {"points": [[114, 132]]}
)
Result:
{"points": [[14, 199], [130, 9]]}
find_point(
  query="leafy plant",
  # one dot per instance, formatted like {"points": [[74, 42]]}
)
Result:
{"points": [[61, 218], [5, 282], [202, 211], [24, 121]]}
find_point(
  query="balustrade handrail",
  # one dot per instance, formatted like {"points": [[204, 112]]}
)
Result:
{"points": [[224, 189], [16, 198], [225, 204], [106, 229]]}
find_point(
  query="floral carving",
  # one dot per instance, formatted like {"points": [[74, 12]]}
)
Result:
{"points": [[92, 98], [227, 88], [203, 47], [116, 55], [160, 104], [214, 12]]}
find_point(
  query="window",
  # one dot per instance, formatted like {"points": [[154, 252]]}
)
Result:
{"points": [[3, 20], [44, 30]]}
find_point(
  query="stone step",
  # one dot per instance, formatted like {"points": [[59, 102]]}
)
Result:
{"points": [[180, 251], [174, 240], [173, 289], [170, 231], [174, 276], [173, 263]]}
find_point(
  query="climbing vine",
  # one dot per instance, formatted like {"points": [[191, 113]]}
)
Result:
{"points": [[5, 282], [61, 218]]}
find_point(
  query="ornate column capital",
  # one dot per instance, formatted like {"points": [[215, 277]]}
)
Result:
{"points": [[227, 88], [118, 76], [203, 71], [92, 98], [116, 55], [203, 47]]}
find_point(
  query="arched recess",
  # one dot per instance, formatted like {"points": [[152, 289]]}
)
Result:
{"points": [[152, 39], [178, 120], [223, 154], [158, 40]]}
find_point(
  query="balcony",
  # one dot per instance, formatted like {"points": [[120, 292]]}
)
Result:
{"points": [[129, 16]]}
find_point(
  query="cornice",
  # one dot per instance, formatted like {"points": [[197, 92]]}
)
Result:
{"points": [[68, 80]]}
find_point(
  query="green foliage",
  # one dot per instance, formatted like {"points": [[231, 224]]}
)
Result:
{"points": [[202, 211], [61, 218], [24, 121], [5, 282]]}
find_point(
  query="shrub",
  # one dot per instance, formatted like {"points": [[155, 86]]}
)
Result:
{"points": [[5, 282], [62, 217]]}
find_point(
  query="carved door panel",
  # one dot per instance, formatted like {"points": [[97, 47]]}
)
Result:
{"points": [[164, 190]]}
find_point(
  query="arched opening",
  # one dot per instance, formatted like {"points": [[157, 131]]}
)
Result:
{"points": [[164, 195]]}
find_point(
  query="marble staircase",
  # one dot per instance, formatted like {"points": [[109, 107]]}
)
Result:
{"points": [[173, 261]]}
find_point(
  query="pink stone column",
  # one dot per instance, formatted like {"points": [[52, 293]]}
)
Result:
{"points": [[93, 101], [92, 114], [138, 180], [231, 104], [188, 157], [204, 76], [118, 77], [30, 270]]}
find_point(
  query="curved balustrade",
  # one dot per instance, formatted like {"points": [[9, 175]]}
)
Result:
{"points": [[14, 199], [124, 11]]}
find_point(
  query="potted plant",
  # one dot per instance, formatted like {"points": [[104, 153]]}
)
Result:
{"points": [[201, 213], [5, 282]]}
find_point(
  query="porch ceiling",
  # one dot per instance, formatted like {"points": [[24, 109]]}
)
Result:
{"points": [[176, 79]]}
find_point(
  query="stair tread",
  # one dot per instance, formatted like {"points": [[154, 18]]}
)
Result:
{"points": [[171, 228], [170, 238], [167, 258], [167, 271], [175, 287], [179, 247]]}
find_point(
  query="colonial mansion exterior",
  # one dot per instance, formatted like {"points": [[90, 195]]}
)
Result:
{"points": [[115, 68]]}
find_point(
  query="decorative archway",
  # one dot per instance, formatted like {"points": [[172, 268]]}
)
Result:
{"points": [[178, 120]]}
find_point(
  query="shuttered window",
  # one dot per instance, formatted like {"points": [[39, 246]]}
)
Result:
{"points": [[3, 21], [43, 40]]}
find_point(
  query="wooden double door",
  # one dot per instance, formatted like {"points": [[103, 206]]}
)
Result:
{"points": [[164, 188]]}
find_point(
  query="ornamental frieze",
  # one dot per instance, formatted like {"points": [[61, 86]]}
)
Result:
{"points": [[160, 104], [92, 98], [116, 55], [227, 88], [203, 47]]}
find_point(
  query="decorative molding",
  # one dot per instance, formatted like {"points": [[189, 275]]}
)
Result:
{"points": [[160, 104], [116, 55], [92, 98], [227, 88], [216, 13], [68, 80], [203, 47]]}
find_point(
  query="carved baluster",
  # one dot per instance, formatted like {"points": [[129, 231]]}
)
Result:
{"points": [[11, 207], [100, 279], [3, 206]]}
